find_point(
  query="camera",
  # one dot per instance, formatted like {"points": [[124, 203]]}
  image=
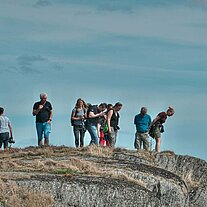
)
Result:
{"points": [[162, 129], [116, 128], [11, 140]]}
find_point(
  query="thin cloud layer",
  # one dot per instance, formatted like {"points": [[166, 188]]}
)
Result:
{"points": [[35, 64], [80, 22], [26, 63], [28, 60], [42, 3]]}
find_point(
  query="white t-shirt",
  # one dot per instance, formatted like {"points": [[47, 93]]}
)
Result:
{"points": [[4, 124]]}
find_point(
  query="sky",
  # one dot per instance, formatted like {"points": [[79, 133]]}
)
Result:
{"points": [[138, 52]]}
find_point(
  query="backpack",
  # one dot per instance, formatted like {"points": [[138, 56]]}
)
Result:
{"points": [[76, 111], [105, 128]]}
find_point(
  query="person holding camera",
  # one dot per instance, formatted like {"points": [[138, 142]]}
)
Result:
{"points": [[112, 122], [94, 113], [43, 112], [156, 127], [6, 134]]}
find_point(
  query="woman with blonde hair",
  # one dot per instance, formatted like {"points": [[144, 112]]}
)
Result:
{"points": [[156, 127]]}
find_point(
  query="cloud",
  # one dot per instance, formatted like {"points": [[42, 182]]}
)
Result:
{"points": [[10, 69], [58, 67], [35, 64], [172, 22], [110, 7], [200, 2], [26, 63], [42, 3], [28, 60]]}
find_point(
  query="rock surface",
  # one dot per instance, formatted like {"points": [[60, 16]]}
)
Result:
{"points": [[96, 176]]}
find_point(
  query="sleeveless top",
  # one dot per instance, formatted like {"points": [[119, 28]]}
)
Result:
{"points": [[114, 119]]}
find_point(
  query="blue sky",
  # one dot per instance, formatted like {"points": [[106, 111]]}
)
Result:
{"points": [[141, 53]]}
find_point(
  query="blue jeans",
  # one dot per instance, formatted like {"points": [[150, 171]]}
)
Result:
{"points": [[92, 129], [43, 128]]}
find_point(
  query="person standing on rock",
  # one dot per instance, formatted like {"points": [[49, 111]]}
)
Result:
{"points": [[156, 127], [94, 113], [142, 122], [113, 122], [103, 128], [78, 116], [43, 112], [6, 134]]}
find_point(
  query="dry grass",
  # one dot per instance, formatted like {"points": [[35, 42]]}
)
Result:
{"points": [[59, 151], [39, 152], [44, 160], [99, 151], [168, 153], [120, 176], [12, 195], [67, 161], [49, 166], [51, 151], [14, 175], [73, 164]]}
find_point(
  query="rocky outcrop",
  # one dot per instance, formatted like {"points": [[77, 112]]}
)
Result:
{"points": [[193, 171], [105, 177], [92, 191]]}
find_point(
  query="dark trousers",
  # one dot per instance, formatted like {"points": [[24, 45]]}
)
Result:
{"points": [[4, 139], [79, 133]]}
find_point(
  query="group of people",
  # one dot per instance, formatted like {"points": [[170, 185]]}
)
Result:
{"points": [[101, 121], [145, 128], [84, 117]]}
